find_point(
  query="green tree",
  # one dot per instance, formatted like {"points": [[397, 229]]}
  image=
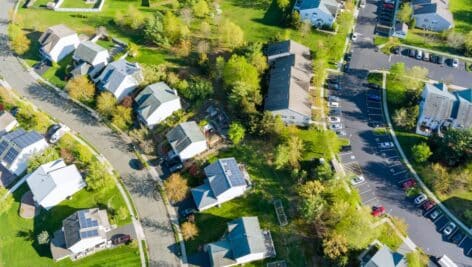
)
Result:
{"points": [[198, 90], [174, 29], [295, 146], [244, 97], [238, 69], [295, 20], [133, 49], [154, 29], [122, 117], [253, 52], [80, 88], [7, 200], [468, 44], [50, 154], [43, 237], [335, 247], [98, 178], [421, 152], [236, 132], [405, 12], [281, 156], [283, 4], [82, 153], [230, 35], [106, 103], [18, 40], [324, 172], [200, 8], [122, 213], [455, 147], [442, 180]]}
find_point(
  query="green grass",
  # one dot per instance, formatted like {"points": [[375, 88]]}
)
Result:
{"points": [[315, 144], [462, 13], [77, 4], [375, 78], [267, 185], [58, 72], [408, 140], [17, 236], [389, 237]]}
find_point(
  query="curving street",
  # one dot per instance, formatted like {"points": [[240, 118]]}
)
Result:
{"points": [[140, 184]]}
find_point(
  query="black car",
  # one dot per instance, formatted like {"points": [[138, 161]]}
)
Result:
{"points": [[396, 50], [346, 148], [441, 60], [52, 130], [348, 56], [434, 58], [373, 86], [412, 53], [186, 212], [176, 167]]}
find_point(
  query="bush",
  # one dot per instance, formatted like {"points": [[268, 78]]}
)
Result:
{"points": [[98, 178], [122, 117], [50, 154], [43, 237], [106, 104], [80, 88], [189, 230], [18, 40]]}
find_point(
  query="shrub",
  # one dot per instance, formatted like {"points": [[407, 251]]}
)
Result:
{"points": [[80, 88], [106, 104]]}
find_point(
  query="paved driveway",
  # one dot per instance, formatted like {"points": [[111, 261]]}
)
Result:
{"points": [[150, 206]]}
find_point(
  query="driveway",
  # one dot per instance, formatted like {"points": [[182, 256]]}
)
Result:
{"points": [[141, 186]]}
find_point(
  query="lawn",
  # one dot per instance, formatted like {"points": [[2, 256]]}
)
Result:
{"points": [[315, 141], [268, 184], [462, 13], [19, 248], [78, 4]]}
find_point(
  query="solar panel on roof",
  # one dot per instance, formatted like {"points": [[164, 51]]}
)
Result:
{"points": [[233, 173], [3, 146], [11, 155]]}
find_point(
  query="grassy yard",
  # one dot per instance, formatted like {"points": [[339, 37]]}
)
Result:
{"points": [[389, 237], [462, 13], [77, 4], [17, 236]]}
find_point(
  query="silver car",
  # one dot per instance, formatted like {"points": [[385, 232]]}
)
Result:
{"points": [[449, 228]]}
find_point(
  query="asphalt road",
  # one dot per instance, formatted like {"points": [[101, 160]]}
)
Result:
{"points": [[140, 184], [382, 168]]}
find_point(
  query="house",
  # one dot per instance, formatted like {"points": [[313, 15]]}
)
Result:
{"points": [[226, 180], [120, 78], [156, 102], [58, 42], [89, 59], [439, 107], [384, 257], [85, 230], [400, 30], [244, 242], [17, 147], [289, 82], [7, 121], [187, 140], [433, 15], [53, 182], [319, 12]]}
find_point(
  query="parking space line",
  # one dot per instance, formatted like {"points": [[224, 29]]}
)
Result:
{"points": [[397, 173], [395, 163], [366, 191], [462, 240], [403, 180], [365, 202], [439, 217], [468, 252], [444, 226]]}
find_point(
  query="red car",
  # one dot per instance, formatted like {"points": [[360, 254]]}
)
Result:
{"points": [[121, 239], [378, 211], [428, 204], [409, 184], [388, 6]]}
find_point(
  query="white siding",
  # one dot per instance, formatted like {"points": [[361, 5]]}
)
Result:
{"points": [[250, 258], [64, 47], [163, 112], [21, 163], [87, 243], [125, 88], [232, 193], [193, 149]]}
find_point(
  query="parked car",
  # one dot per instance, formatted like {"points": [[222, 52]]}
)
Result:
{"points": [[354, 36], [426, 56], [346, 148], [333, 104], [456, 239], [435, 214], [341, 133], [335, 112], [373, 86], [449, 228], [358, 179], [348, 56], [420, 199], [176, 167], [389, 6], [385, 145], [441, 60], [333, 98], [374, 97], [396, 50], [434, 58], [186, 212], [428, 204], [419, 54], [378, 211], [334, 119], [409, 184], [55, 132], [120, 239], [336, 126], [455, 63], [362, 4], [412, 53]]}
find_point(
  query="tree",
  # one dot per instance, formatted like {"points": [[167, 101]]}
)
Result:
{"points": [[122, 213], [174, 28], [421, 152], [98, 178], [238, 69], [283, 4], [244, 97], [201, 9], [236, 132], [455, 39], [335, 247], [295, 20], [305, 28], [253, 53], [295, 146], [468, 44], [281, 156], [82, 153], [400, 117], [154, 73], [455, 147], [405, 12], [133, 49], [324, 172], [230, 35], [198, 90], [189, 230], [80, 88], [186, 15], [122, 117], [6, 200], [132, 18], [50, 154], [154, 29], [18, 40], [442, 180], [43, 237], [106, 103], [176, 188]]}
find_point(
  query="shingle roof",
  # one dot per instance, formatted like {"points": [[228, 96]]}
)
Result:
{"points": [[224, 174], [87, 51], [246, 237], [439, 89], [464, 94], [53, 34], [184, 134], [153, 96], [386, 258], [287, 46], [203, 196], [432, 7], [116, 72], [85, 224], [5, 119], [221, 254]]}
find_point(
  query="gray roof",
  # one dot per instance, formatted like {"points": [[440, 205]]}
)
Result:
{"points": [[12, 143], [184, 134], [81, 69], [5, 119], [287, 46], [386, 258], [85, 224], [224, 174], [152, 97], [221, 254], [116, 72], [329, 6], [438, 7], [439, 89], [51, 37], [203, 196], [87, 51]]}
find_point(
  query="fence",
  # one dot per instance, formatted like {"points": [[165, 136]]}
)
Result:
{"points": [[58, 7]]}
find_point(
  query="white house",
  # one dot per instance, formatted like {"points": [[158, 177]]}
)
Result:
{"points": [[187, 140], [89, 58], [226, 180], [120, 78], [244, 242], [58, 42], [17, 147], [7, 121], [85, 230], [433, 15], [53, 182], [318, 12], [156, 102]]}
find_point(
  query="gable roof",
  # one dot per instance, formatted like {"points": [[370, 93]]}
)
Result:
{"points": [[224, 174], [153, 96], [55, 174], [328, 6], [439, 89], [287, 46], [384, 257], [203, 196], [464, 95], [6, 119], [184, 134], [53, 35], [116, 72], [245, 236], [83, 224], [87, 51], [12, 144], [439, 7]]}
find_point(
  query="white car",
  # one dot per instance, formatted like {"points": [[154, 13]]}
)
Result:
{"points": [[334, 119], [333, 98], [455, 62], [341, 133], [354, 36], [434, 214], [358, 179], [362, 5], [385, 145], [57, 131], [449, 228], [419, 55], [336, 126], [333, 104], [420, 199]]}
